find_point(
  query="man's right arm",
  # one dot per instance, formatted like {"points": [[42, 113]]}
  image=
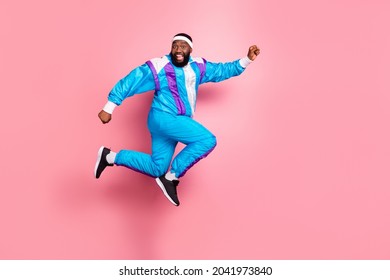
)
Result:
{"points": [[137, 81], [104, 116]]}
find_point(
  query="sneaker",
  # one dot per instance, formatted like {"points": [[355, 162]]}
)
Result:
{"points": [[101, 162], [169, 189]]}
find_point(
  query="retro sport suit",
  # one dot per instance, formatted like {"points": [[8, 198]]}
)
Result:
{"points": [[170, 118]]}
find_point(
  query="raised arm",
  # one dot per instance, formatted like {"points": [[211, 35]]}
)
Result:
{"points": [[217, 72]]}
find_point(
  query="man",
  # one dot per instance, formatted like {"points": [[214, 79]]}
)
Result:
{"points": [[175, 78]]}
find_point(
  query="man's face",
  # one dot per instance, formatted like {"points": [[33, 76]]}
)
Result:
{"points": [[180, 53]]}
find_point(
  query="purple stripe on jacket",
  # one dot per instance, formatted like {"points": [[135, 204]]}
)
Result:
{"points": [[202, 69], [156, 81], [172, 84]]}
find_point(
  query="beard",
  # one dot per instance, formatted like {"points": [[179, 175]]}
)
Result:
{"points": [[186, 58]]}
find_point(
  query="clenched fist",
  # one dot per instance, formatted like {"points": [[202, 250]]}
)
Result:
{"points": [[104, 116], [253, 52]]}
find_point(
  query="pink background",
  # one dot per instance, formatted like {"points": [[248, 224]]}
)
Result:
{"points": [[301, 170]]}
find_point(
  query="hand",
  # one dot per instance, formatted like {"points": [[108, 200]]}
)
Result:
{"points": [[104, 116], [253, 52]]}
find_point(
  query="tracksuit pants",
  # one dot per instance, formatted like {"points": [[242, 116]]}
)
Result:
{"points": [[166, 131]]}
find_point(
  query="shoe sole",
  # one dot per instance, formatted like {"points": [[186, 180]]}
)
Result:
{"points": [[161, 185], [99, 158]]}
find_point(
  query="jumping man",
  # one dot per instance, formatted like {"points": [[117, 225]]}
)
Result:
{"points": [[175, 78]]}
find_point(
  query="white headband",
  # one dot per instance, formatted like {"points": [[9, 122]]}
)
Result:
{"points": [[183, 38]]}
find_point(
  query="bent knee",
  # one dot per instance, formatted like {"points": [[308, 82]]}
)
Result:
{"points": [[210, 143]]}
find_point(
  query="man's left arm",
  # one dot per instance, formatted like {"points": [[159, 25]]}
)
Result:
{"points": [[217, 72]]}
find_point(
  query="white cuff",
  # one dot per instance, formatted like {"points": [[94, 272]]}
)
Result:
{"points": [[245, 61], [109, 107]]}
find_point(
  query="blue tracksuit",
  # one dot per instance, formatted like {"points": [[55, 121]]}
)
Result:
{"points": [[170, 118]]}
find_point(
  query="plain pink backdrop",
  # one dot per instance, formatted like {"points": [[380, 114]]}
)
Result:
{"points": [[301, 170]]}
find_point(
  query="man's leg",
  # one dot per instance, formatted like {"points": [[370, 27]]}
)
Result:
{"points": [[153, 165], [199, 141], [163, 148]]}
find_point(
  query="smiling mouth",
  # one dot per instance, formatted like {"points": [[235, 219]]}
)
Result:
{"points": [[179, 57]]}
